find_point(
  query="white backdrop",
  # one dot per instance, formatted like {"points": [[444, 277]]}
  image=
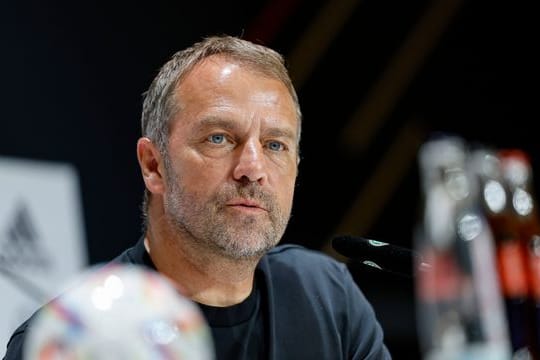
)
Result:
{"points": [[42, 241]]}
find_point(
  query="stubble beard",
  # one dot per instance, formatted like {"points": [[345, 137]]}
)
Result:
{"points": [[212, 226]]}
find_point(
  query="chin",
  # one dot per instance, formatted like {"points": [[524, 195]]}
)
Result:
{"points": [[246, 253]]}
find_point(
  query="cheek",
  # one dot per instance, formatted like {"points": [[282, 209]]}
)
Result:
{"points": [[203, 179], [286, 189]]}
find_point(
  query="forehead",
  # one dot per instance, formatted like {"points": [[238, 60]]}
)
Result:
{"points": [[220, 83], [220, 61], [218, 70]]}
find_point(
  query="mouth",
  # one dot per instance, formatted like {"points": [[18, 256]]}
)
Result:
{"points": [[246, 204]]}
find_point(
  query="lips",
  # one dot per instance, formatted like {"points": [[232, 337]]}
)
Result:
{"points": [[246, 203]]}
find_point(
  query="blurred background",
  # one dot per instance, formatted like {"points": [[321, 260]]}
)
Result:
{"points": [[375, 79]]}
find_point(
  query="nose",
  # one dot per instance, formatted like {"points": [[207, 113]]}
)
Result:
{"points": [[251, 163]]}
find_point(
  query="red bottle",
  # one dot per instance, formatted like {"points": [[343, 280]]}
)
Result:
{"points": [[517, 171], [511, 258]]}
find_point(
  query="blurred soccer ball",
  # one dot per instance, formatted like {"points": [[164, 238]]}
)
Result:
{"points": [[119, 312]]}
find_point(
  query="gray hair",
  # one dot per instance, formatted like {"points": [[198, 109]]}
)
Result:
{"points": [[160, 102]]}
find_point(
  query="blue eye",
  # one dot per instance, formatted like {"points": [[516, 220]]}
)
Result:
{"points": [[217, 138], [275, 146]]}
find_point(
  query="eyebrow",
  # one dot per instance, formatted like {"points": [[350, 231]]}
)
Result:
{"points": [[226, 124], [215, 122], [280, 133]]}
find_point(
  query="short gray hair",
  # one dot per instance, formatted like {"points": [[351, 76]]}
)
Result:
{"points": [[160, 102]]}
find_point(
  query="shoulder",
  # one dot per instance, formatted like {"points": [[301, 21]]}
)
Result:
{"points": [[15, 345], [294, 263], [305, 272], [136, 255], [312, 288], [296, 256]]}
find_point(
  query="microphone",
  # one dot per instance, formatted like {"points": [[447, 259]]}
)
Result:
{"points": [[381, 255]]}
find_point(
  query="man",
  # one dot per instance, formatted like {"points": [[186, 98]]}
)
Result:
{"points": [[219, 157]]}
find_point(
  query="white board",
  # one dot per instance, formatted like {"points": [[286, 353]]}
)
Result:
{"points": [[42, 238]]}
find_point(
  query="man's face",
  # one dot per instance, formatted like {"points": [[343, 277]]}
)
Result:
{"points": [[232, 159]]}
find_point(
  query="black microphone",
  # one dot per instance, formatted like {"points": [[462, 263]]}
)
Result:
{"points": [[381, 255]]}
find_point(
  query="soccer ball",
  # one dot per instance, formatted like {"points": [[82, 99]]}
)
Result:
{"points": [[119, 311]]}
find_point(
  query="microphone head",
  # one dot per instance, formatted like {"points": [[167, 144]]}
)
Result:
{"points": [[381, 255]]}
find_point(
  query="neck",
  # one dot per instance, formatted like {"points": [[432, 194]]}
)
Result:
{"points": [[202, 276]]}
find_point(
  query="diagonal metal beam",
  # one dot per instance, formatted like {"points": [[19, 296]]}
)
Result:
{"points": [[317, 38], [400, 72], [382, 184], [370, 115], [269, 22]]}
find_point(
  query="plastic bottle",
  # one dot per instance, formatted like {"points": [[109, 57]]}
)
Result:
{"points": [[460, 312]]}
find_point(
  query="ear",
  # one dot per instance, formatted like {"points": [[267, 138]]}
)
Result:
{"points": [[151, 165]]}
